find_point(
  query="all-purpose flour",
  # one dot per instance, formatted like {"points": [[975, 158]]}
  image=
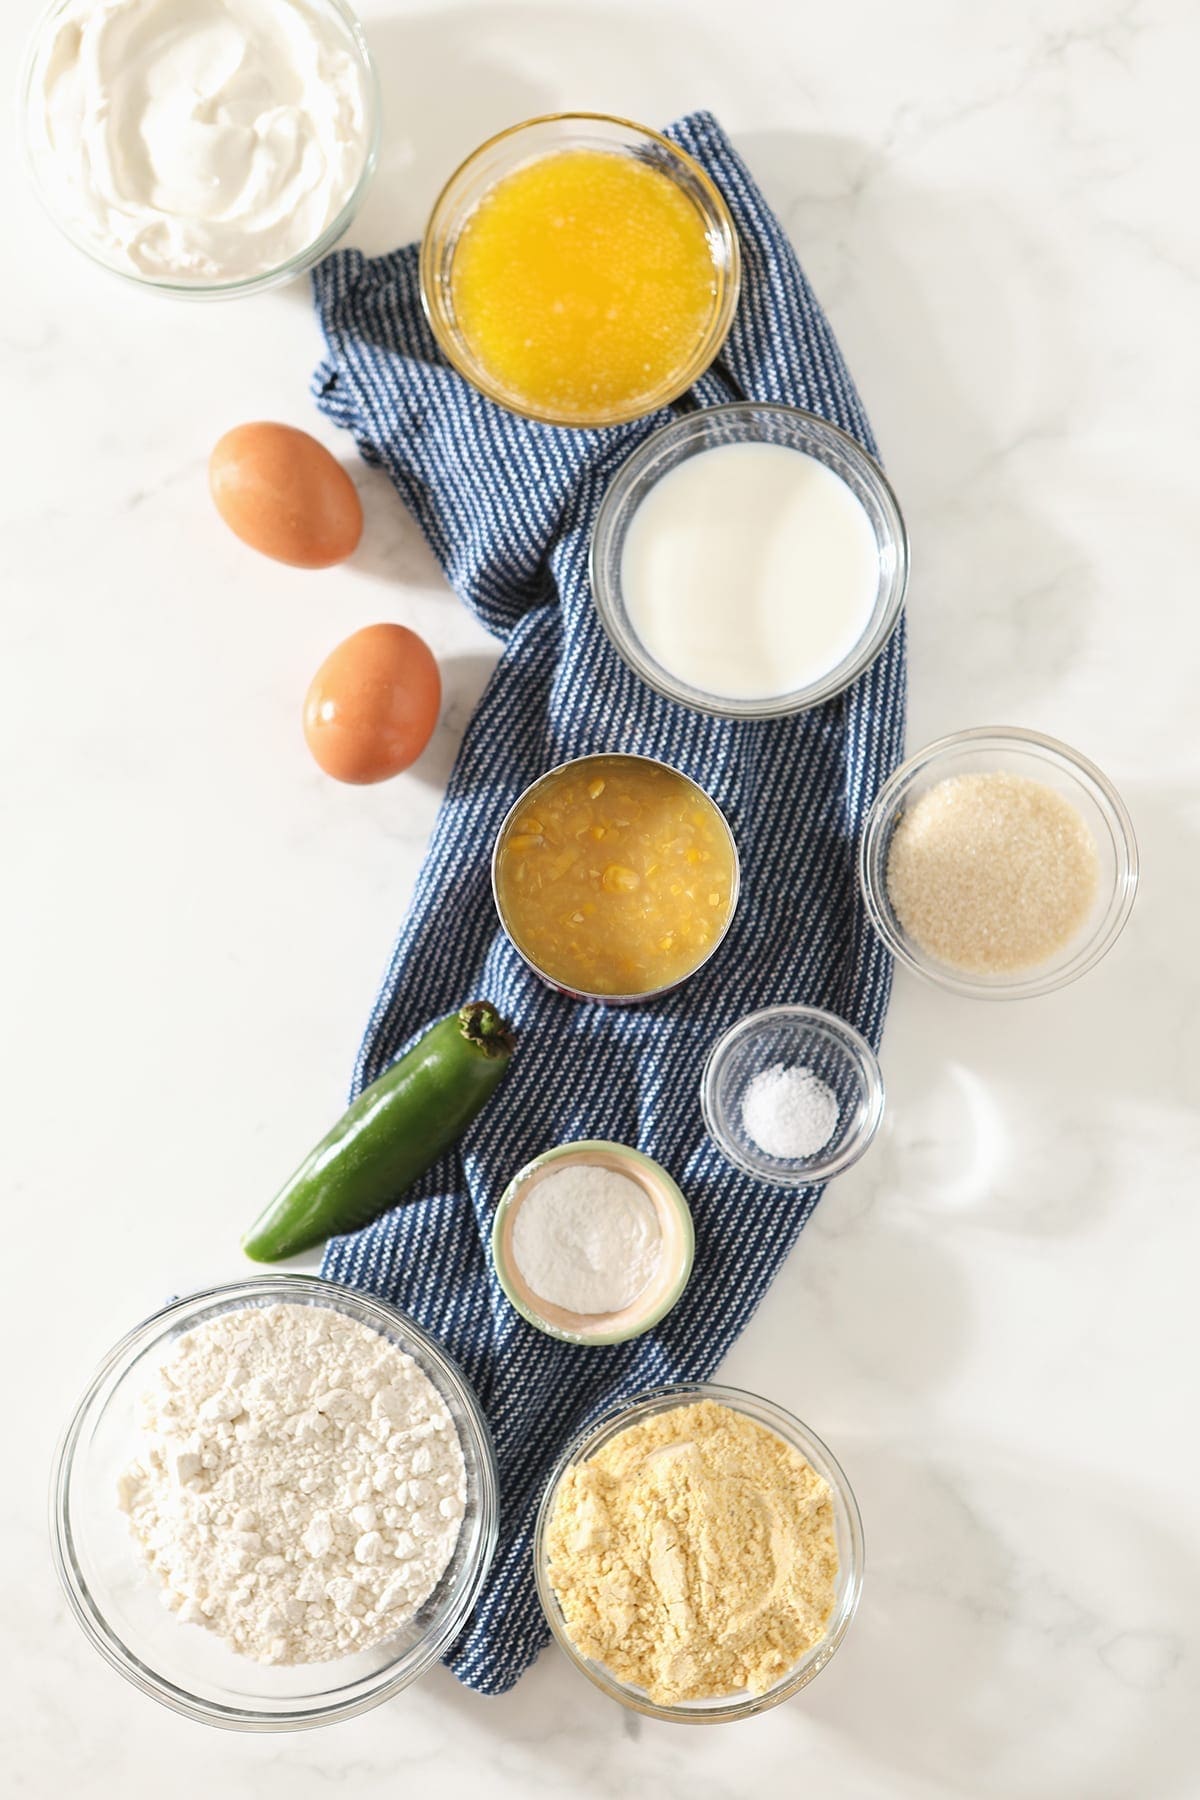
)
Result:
{"points": [[302, 1485]]}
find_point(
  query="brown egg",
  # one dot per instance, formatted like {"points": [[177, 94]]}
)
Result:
{"points": [[284, 494], [373, 704]]}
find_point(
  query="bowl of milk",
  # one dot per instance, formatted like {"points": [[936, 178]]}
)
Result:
{"points": [[749, 560]]}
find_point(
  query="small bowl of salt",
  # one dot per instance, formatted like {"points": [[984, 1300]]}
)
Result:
{"points": [[593, 1242], [792, 1095]]}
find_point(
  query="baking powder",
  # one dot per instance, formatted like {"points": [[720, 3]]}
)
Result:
{"points": [[586, 1239]]}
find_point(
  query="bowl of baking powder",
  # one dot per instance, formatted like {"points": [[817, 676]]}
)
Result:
{"points": [[593, 1242]]}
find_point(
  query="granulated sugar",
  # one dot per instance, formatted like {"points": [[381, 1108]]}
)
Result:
{"points": [[992, 873]]}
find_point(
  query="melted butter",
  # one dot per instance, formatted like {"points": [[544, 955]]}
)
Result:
{"points": [[583, 283]]}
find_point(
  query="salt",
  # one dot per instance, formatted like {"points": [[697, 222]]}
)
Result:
{"points": [[789, 1112]]}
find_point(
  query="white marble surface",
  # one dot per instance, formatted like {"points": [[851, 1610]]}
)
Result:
{"points": [[992, 1319]]}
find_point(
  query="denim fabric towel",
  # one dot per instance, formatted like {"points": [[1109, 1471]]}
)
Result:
{"points": [[508, 508]]}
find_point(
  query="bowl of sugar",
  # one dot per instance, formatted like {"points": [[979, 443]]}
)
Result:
{"points": [[998, 863], [593, 1242], [749, 560], [792, 1095]]}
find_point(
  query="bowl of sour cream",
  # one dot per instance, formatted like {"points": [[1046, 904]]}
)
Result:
{"points": [[206, 148], [749, 560]]}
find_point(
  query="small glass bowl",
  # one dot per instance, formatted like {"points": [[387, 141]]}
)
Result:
{"points": [[847, 1529], [985, 750], [39, 166], [526, 799], [655, 1301], [118, 1603], [815, 1040], [526, 143], [748, 422]]}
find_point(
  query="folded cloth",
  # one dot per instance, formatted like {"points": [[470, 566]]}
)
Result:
{"points": [[508, 508]]}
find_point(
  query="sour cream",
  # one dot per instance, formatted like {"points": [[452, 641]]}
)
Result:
{"points": [[750, 570], [199, 141]]}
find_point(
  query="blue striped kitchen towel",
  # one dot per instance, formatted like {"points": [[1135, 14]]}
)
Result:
{"points": [[508, 507]]}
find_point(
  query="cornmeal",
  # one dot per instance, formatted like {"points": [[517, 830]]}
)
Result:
{"points": [[694, 1555]]}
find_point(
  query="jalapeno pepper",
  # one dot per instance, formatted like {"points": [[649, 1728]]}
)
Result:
{"points": [[391, 1134]]}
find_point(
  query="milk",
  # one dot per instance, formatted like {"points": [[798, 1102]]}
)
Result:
{"points": [[750, 570]]}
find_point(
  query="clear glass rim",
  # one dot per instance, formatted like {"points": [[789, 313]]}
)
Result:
{"points": [[817, 1169], [445, 210], [670, 1188], [872, 862], [242, 285], [629, 647], [793, 1431], [87, 1611], [522, 799]]}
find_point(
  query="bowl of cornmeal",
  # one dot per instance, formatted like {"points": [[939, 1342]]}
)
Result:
{"points": [[699, 1554]]}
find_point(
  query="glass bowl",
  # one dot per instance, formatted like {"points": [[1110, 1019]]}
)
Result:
{"points": [[815, 1040], [984, 750], [664, 1289], [54, 193], [748, 422], [525, 143], [847, 1528], [527, 798], [118, 1603]]}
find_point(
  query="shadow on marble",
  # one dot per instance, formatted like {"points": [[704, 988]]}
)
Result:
{"points": [[996, 1652], [1000, 596], [986, 1098], [444, 91], [1019, 1639], [428, 127], [463, 681], [877, 1307], [1133, 1017], [392, 547], [904, 1309]]}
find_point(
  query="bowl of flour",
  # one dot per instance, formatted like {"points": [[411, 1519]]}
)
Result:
{"points": [[275, 1505]]}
